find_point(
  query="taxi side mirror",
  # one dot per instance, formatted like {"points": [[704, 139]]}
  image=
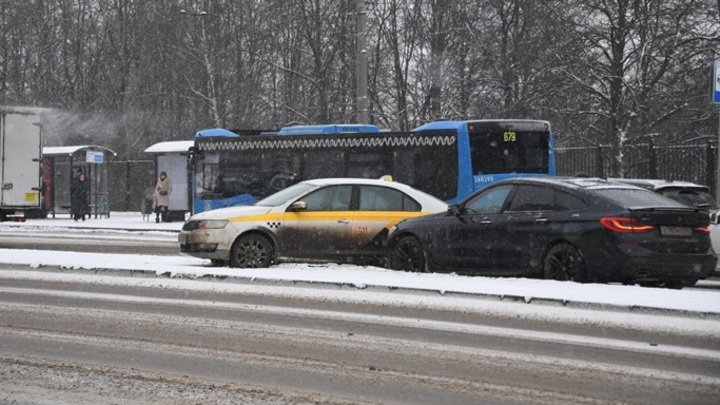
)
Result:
{"points": [[298, 206]]}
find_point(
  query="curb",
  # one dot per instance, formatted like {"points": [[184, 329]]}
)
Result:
{"points": [[149, 274]]}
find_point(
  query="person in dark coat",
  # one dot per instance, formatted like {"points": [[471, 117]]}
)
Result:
{"points": [[79, 190]]}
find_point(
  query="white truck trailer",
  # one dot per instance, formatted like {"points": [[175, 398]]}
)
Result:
{"points": [[20, 155]]}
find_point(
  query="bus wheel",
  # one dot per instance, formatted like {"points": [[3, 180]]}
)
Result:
{"points": [[408, 255], [251, 251], [563, 262]]}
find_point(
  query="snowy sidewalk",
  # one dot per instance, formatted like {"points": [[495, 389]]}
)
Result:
{"points": [[132, 221]]}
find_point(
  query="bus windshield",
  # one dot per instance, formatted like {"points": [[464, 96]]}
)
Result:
{"points": [[495, 149]]}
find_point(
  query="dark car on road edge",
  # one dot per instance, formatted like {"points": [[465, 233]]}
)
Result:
{"points": [[691, 194], [579, 229]]}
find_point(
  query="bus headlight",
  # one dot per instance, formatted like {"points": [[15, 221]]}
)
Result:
{"points": [[205, 224]]}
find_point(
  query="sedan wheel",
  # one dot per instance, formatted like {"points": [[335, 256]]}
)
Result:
{"points": [[563, 262], [251, 251], [408, 255]]}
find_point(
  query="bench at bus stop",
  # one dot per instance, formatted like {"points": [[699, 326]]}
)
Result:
{"points": [[100, 209]]}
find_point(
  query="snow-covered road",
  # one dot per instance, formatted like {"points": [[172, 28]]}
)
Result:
{"points": [[705, 299], [173, 324]]}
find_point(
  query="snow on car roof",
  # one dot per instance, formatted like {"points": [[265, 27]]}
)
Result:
{"points": [[384, 181], [351, 180], [659, 184], [575, 182]]}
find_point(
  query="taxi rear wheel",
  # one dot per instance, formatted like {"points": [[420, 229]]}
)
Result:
{"points": [[251, 251]]}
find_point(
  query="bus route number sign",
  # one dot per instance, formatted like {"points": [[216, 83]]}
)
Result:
{"points": [[509, 136]]}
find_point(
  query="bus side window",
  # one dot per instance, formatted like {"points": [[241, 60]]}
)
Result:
{"points": [[369, 166], [323, 164]]}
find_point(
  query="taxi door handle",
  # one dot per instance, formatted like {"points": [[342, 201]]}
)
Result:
{"points": [[343, 221]]}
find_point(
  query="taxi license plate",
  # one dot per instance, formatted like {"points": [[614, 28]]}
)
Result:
{"points": [[675, 231]]}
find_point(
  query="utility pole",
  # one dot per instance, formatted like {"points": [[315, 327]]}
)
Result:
{"points": [[716, 100], [361, 66]]}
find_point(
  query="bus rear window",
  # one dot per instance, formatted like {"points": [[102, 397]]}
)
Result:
{"points": [[507, 151]]}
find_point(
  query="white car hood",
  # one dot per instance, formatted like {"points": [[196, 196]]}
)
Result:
{"points": [[232, 212]]}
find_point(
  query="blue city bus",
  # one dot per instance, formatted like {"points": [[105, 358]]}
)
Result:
{"points": [[448, 159]]}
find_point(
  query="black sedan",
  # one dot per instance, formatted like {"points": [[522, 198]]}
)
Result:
{"points": [[578, 229]]}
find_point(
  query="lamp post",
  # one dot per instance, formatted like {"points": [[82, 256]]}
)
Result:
{"points": [[361, 68], [194, 13], [203, 12], [716, 99], [204, 57]]}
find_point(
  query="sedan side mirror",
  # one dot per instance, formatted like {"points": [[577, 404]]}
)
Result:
{"points": [[455, 210], [298, 206]]}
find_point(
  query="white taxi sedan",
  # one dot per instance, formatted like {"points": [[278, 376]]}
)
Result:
{"points": [[339, 220]]}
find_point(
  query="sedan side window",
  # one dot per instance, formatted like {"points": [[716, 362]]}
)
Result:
{"points": [[334, 198], [543, 199], [567, 202], [374, 198], [488, 202], [532, 198]]}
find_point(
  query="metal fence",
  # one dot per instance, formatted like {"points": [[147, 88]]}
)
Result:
{"points": [[694, 163], [128, 181]]}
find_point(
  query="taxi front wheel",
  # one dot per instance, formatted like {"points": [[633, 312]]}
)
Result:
{"points": [[251, 251]]}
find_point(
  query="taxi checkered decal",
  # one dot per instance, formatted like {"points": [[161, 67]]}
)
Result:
{"points": [[274, 225]]}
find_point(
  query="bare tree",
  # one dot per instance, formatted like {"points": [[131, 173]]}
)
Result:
{"points": [[398, 25], [632, 49], [312, 59], [604, 71]]}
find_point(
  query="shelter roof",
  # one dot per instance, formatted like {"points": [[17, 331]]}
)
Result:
{"points": [[170, 147], [70, 150]]}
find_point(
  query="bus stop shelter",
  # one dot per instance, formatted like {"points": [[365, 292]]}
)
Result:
{"points": [[61, 163], [172, 158]]}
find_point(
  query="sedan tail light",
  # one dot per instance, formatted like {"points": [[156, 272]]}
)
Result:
{"points": [[705, 230], [624, 224]]}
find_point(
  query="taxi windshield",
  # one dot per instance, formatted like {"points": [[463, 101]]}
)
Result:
{"points": [[285, 195]]}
